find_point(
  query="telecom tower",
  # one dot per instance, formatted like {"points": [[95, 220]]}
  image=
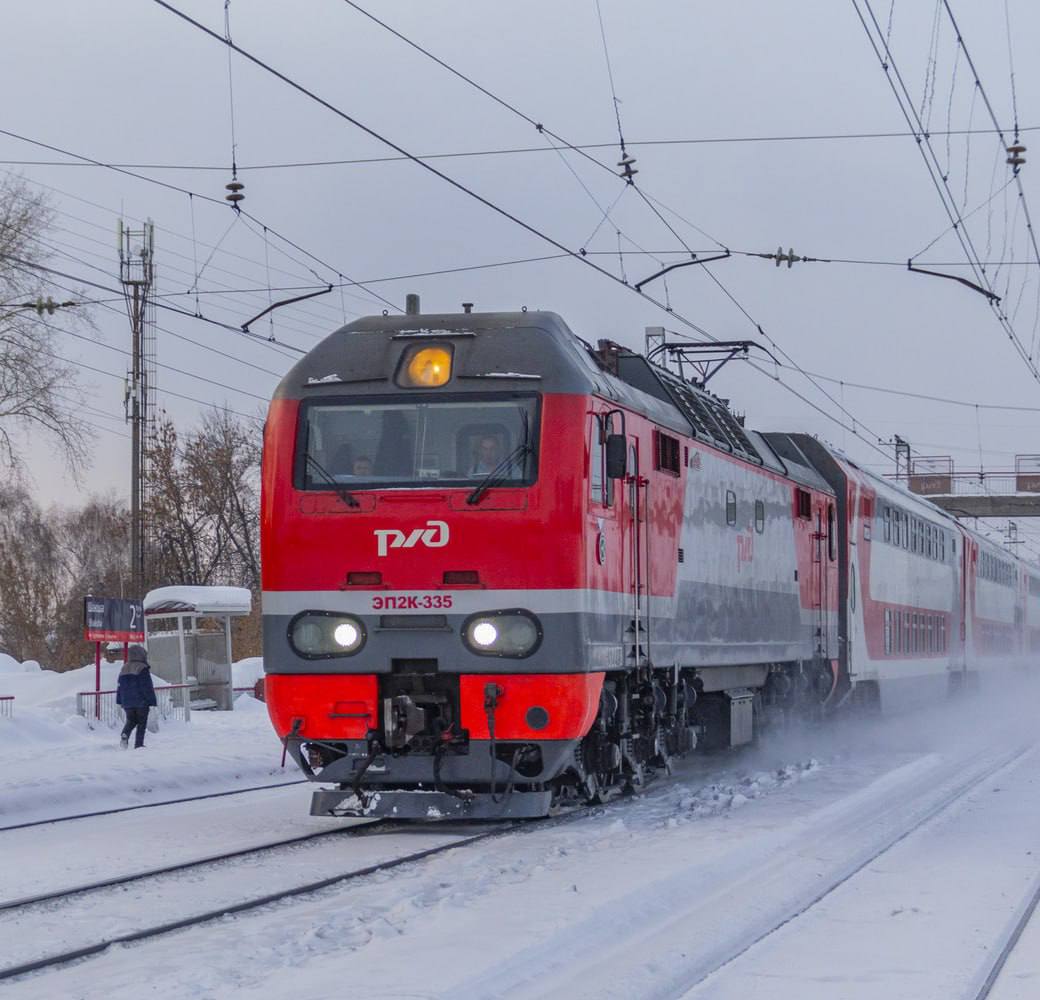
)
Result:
{"points": [[137, 274]]}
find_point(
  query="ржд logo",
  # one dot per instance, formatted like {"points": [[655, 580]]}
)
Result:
{"points": [[433, 536]]}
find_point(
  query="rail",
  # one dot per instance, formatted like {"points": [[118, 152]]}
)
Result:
{"points": [[6, 706], [172, 703]]}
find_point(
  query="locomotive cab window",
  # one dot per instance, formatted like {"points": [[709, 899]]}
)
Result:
{"points": [[803, 504], [407, 442], [601, 486]]}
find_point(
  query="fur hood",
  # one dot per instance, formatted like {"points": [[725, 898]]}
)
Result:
{"points": [[137, 661]]}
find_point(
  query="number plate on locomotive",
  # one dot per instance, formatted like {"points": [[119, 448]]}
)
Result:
{"points": [[412, 602]]}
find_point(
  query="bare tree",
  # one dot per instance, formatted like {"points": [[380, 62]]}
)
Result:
{"points": [[204, 510], [49, 561], [223, 462], [37, 389], [204, 506], [29, 571]]}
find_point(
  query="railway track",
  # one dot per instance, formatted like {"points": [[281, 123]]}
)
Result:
{"points": [[19, 910], [117, 880], [150, 805], [947, 801], [1010, 942], [23, 907]]}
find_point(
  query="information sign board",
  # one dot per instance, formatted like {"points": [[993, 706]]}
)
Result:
{"points": [[112, 619]]}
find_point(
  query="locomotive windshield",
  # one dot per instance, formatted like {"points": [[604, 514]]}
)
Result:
{"points": [[418, 442]]}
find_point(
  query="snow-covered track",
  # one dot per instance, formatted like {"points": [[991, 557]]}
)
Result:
{"points": [[195, 919], [1026, 913], [151, 805], [15, 904], [953, 796]]}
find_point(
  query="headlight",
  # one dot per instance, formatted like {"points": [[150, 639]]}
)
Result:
{"points": [[425, 367], [503, 633], [316, 634]]}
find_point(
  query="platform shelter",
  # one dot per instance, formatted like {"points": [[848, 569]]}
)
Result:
{"points": [[188, 636]]}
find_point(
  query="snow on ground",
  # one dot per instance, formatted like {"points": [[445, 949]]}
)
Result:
{"points": [[670, 894], [54, 762]]}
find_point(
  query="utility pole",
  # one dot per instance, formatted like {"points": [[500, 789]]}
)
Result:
{"points": [[136, 273], [902, 449]]}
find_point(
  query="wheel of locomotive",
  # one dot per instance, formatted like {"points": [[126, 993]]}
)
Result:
{"points": [[601, 759]]}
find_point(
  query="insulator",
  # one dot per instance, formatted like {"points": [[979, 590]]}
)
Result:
{"points": [[1015, 157], [235, 188], [628, 171]]}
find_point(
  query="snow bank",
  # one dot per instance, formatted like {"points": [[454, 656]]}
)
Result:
{"points": [[54, 762], [34, 687], [9, 665], [245, 673]]}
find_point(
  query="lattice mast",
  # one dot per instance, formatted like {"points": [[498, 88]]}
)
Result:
{"points": [[137, 276]]}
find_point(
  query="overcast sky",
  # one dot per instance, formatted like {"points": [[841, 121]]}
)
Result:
{"points": [[129, 82]]}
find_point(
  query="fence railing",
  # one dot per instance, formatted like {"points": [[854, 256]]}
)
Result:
{"points": [[172, 705], [971, 484], [6, 706], [256, 690]]}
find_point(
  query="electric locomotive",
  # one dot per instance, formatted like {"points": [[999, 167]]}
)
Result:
{"points": [[504, 570]]}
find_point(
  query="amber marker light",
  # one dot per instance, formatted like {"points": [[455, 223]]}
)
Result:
{"points": [[428, 367]]}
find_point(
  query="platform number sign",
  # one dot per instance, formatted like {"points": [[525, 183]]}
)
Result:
{"points": [[112, 619]]}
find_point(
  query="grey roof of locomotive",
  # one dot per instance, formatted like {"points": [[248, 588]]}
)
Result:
{"points": [[522, 352]]}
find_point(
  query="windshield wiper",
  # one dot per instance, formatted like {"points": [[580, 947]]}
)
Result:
{"points": [[341, 491], [499, 473]]}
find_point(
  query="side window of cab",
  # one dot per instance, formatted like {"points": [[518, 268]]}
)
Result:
{"points": [[601, 488]]}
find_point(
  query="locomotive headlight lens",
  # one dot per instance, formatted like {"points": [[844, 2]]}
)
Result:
{"points": [[346, 635], [425, 367], [515, 633], [484, 634], [318, 634]]}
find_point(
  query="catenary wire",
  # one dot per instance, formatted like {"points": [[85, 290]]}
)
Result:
{"points": [[158, 364], [160, 389], [193, 194], [257, 339], [506, 151], [939, 182], [338, 112]]}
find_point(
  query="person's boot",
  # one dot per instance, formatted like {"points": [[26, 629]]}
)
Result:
{"points": [[124, 742]]}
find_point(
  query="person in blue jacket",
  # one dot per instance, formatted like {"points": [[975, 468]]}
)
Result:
{"points": [[136, 693]]}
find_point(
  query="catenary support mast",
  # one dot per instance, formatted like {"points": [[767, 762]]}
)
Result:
{"points": [[136, 273]]}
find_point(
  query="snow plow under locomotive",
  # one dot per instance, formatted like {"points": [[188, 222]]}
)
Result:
{"points": [[503, 570]]}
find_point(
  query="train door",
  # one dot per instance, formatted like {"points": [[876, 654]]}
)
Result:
{"points": [[828, 569], [637, 635], [818, 581], [967, 596], [606, 532]]}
